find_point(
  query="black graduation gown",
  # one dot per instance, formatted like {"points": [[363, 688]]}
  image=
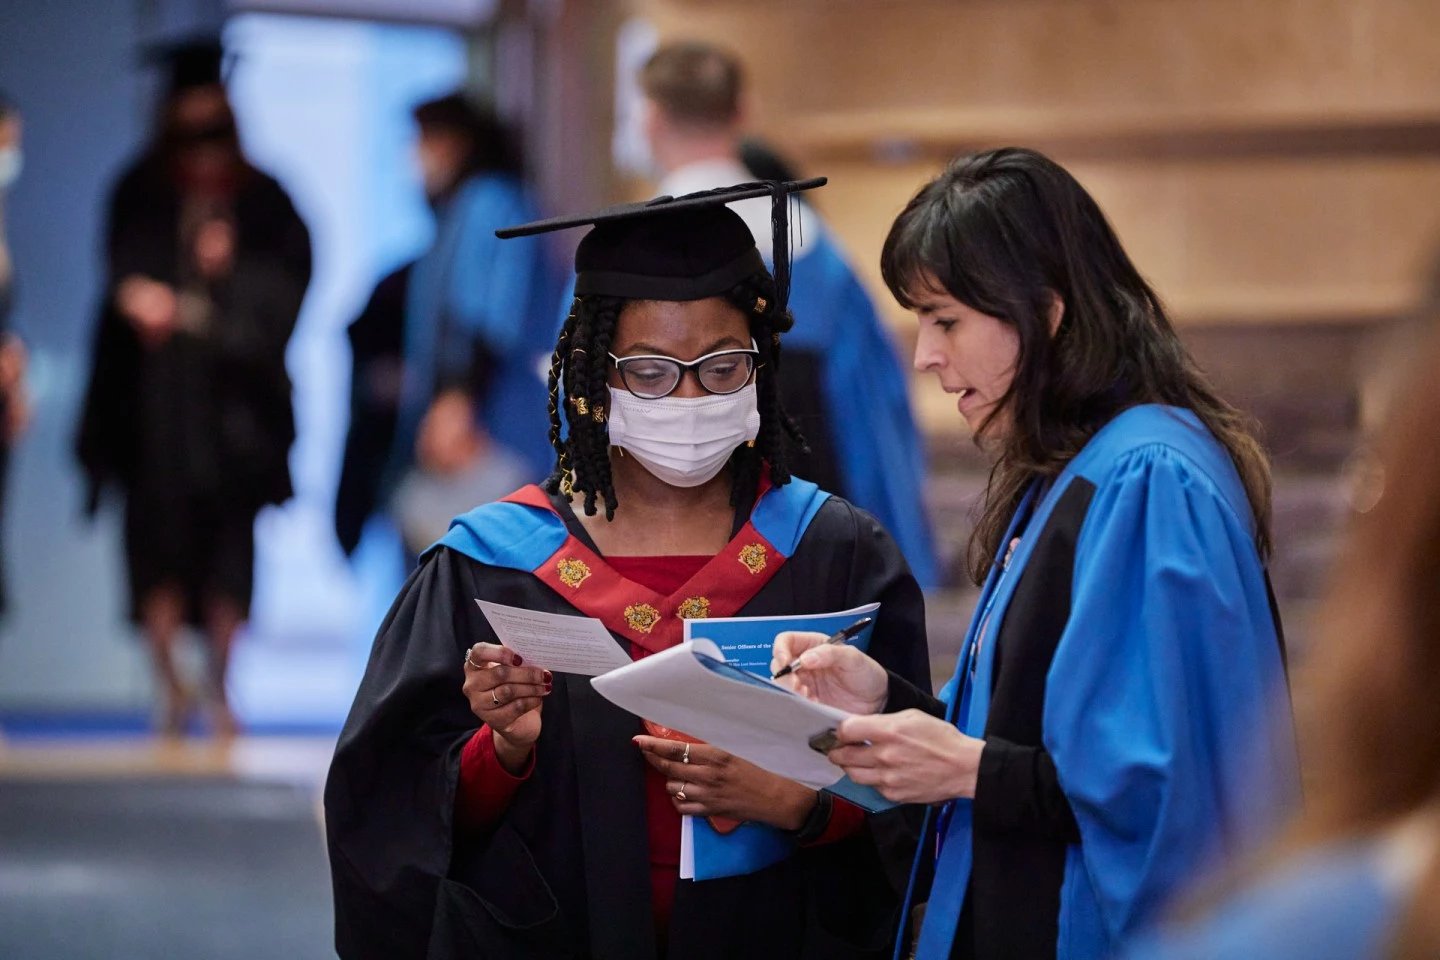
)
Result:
{"points": [[377, 354], [566, 872], [196, 433], [245, 389]]}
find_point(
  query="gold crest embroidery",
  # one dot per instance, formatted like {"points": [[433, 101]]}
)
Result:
{"points": [[753, 557], [574, 572], [695, 608], [641, 617]]}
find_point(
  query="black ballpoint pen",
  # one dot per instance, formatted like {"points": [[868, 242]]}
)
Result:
{"points": [[848, 633]]}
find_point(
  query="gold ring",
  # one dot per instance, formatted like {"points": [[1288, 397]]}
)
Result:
{"points": [[470, 663], [686, 757], [680, 794]]}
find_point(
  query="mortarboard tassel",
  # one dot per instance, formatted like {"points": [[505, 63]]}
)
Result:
{"points": [[780, 240]]}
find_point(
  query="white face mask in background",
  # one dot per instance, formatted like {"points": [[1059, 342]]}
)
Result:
{"points": [[12, 161], [684, 441]]}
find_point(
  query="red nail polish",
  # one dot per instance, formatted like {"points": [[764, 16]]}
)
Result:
{"points": [[519, 660], [548, 686], [549, 678]]}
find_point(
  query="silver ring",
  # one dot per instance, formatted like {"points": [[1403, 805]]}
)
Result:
{"points": [[686, 757], [496, 698], [469, 663]]}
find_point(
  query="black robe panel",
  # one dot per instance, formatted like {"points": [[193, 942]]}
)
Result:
{"points": [[377, 355], [566, 872]]}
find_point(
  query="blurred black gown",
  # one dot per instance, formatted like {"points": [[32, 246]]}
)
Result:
{"points": [[196, 432]]}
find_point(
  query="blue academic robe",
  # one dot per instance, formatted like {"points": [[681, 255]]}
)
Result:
{"points": [[879, 452], [1125, 670], [471, 288], [846, 387]]}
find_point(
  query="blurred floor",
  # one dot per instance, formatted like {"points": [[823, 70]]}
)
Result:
{"points": [[124, 849]]}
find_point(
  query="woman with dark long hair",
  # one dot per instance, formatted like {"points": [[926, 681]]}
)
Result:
{"points": [[482, 806], [1118, 674]]}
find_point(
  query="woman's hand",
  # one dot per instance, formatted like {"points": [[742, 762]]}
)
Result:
{"points": [[151, 307], [910, 757], [835, 674], [716, 784], [507, 696]]}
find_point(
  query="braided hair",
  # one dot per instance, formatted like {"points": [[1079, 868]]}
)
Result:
{"points": [[580, 367]]}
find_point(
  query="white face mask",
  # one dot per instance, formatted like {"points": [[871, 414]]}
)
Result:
{"points": [[12, 161], [684, 441]]}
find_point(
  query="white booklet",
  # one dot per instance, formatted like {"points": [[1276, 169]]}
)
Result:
{"points": [[691, 688]]}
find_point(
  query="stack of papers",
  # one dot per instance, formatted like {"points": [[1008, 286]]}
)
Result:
{"points": [[692, 689], [716, 690]]}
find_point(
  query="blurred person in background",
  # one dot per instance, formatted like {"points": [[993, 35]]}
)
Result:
{"points": [[844, 382], [475, 323], [1358, 873], [188, 411], [1118, 686], [14, 400], [463, 469]]}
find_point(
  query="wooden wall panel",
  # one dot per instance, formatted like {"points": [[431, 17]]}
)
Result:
{"points": [[1224, 243], [1258, 56], [1274, 163]]}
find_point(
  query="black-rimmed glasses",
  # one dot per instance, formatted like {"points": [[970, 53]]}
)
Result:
{"points": [[652, 377]]}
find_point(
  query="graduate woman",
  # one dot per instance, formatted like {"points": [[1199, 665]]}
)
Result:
{"points": [[1116, 681], [479, 806]]}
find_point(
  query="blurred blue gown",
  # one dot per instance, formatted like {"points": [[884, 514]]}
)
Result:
{"points": [[473, 289]]}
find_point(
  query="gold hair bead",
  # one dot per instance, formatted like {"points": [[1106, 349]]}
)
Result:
{"points": [[582, 406], [599, 414], [760, 304]]}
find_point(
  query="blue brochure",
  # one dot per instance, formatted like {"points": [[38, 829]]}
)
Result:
{"points": [[746, 643]]}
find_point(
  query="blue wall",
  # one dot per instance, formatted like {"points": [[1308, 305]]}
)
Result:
{"points": [[70, 64]]}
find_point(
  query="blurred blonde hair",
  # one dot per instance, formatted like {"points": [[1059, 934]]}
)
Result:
{"points": [[1371, 740]]}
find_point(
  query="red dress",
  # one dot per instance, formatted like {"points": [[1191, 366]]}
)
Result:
{"points": [[486, 788]]}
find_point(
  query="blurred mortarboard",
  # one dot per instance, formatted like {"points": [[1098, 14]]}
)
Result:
{"points": [[765, 162], [190, 63], [676, 248]]}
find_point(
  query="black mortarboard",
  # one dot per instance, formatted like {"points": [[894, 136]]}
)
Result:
{"points": [[676, 248], [190, 63]]}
